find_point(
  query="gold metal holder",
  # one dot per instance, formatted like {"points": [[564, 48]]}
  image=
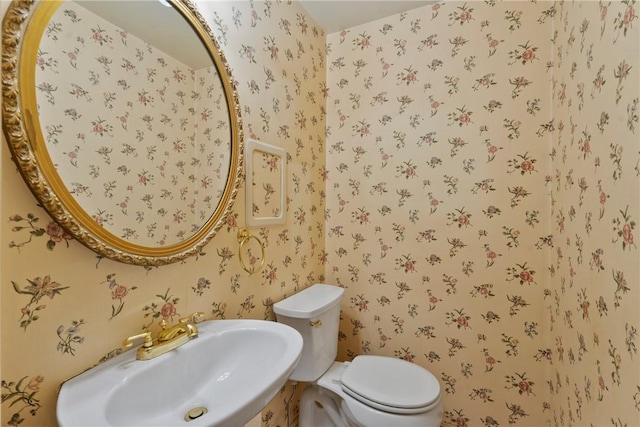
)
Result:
{"points": [[244, 235]]}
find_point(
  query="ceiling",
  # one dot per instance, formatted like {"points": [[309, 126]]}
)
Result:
{"points": [[337, 15], [150, 21], [331, 15]]}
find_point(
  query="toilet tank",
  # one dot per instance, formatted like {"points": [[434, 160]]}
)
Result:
{"points": [[315, 313]]}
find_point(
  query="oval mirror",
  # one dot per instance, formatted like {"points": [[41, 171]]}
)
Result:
{"points": [[124, 121]]}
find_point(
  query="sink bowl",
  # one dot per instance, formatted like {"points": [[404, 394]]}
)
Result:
{"points": [[225, 377]]}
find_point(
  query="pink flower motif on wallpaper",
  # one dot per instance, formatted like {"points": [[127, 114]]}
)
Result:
{"points": [[53, 230], [485, 186], [489, 360], [38, 288], [513, 128], [461, 117], [458, 318], [484, 290], [165, 311], [455, 245], [57, 234], [99, 36], [513, 18], [624, 20], [363, 41], [408, 76], [518, 193], [168, 310], [72, 56], [460, 217], [521, 383], [383, 339], [219, 309], [517, 303], [462, 15], [456, 417], [44, 60], [405, 354], [407, 169], [406, 263], [521, 273], [269, 273], [523, 164], [483, 395], [249, 53], [457, 42], [246, 306], [449, 383], [202, 285], [118, 293], [516, 413], [101, 127], [623, 227], [362, 129], [22, 396], [401, 46], [486, 82], [525, 54], [360, 302], [493, 44]]}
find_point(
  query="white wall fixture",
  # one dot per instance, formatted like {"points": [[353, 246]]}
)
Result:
{"points": [[265, 184]]}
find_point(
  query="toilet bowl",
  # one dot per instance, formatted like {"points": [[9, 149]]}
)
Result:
{"points": [[369, 391]]}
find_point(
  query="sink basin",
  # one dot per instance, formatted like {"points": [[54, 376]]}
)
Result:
{"points": [[232, 370]]}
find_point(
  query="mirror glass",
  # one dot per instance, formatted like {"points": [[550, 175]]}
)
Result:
{"points": [[132, 120]]}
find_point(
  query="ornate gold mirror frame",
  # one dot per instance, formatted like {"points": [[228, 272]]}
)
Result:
{"points": [[23, 26]]}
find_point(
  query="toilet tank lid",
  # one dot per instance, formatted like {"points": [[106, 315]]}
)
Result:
{"points": [[310, 302]]}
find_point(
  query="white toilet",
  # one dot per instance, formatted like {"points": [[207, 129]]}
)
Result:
{"points": [[370, 391]]}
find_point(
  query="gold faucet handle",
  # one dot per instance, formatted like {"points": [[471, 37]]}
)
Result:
{"points": [[195, 317], [148, 341], [171, 333]]}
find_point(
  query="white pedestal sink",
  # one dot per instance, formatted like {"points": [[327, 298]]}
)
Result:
{"points": [[224, 378]]}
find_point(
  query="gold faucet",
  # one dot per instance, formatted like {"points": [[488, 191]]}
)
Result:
{"points": [[168, 339]]}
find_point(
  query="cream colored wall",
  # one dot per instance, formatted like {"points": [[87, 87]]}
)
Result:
{"points": [[436, 199], [277, 57], [592, 312], [440, 120], [478, 384]]}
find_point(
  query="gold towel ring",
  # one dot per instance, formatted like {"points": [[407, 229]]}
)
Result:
{"points": [[244, 236]]}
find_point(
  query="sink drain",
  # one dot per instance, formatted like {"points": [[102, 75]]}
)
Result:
{"points": [[194, 413]]}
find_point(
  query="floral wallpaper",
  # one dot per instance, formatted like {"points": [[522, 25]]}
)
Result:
{"points": [[265, 183], [143, 158], [64, 309], [481, 176], [474, 161], [592, 312]]}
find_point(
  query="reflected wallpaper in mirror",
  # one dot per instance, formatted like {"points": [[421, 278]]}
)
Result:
{"points": [[124, 121], [141, 139]]}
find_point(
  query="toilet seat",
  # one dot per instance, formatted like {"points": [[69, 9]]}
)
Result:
{"points": [[391, 385]]}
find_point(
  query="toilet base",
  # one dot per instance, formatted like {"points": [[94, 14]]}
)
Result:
{"points": [[319, 409], [324, 404]]}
